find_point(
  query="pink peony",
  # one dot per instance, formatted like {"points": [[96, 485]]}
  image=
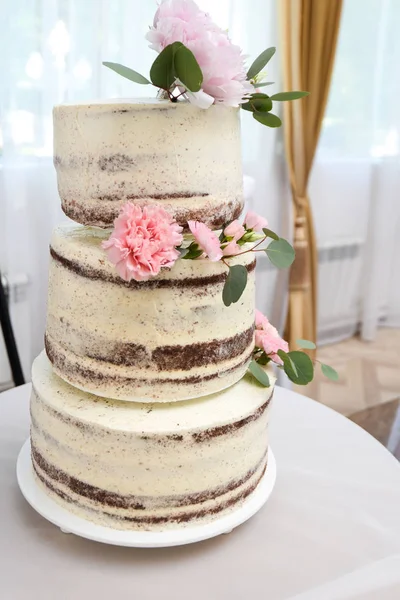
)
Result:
{"points": [[232, 249], [234, 230], [206, 239], [143, 241], [221, 62], [269, 339], [254, 221]]}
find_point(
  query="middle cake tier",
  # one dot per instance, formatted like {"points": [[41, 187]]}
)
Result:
{"points": [[169, 338]]}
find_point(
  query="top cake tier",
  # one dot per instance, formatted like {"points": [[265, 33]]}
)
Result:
{"points": [[184, 158]]}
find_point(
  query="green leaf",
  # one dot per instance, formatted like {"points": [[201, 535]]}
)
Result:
{"points": [[263, 359], [259, 373], [162, 72], [283, 96], [329, 372], [306, 344], [183, 252], [280, 253], [270, 234], [235, 284], [287, 361], [304, 368], [194, 251], [250, 236], [260, 62], [268, 119], [258, 102], [127, 72], [187, 69], [263, 84]]}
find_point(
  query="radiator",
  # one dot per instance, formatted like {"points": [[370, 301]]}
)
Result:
{"points": [[339, 278], [17, 291]]}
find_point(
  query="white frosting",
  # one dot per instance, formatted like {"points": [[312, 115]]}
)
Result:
{"points": [[107, 153], [90, 318], [156, 455]]}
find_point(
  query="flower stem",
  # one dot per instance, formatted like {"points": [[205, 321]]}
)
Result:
{"points": [[252, 249], [181, 94]]}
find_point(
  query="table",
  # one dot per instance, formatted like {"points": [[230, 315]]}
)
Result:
{"points": [[330, 531]]}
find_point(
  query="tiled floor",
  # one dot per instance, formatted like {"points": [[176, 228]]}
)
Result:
{"points": [[383, 422], [369, 387]]}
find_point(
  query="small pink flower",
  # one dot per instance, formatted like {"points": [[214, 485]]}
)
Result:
{"points": [[231, 249], [143, 241], [234, 230], [206, 239], [261, 320], [268, 338], [254, 221], [221, 62]]}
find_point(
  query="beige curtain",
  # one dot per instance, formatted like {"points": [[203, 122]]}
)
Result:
{"points": [[309, 33]]}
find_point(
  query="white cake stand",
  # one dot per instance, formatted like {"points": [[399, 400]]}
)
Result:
{"points": [[70, 523]]}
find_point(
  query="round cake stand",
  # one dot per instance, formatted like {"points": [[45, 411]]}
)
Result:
{"points": [[69, 523]]}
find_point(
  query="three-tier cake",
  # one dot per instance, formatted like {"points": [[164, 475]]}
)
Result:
{"points": [[142, 415]]}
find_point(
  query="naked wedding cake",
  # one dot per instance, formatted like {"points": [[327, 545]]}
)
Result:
{"points": [[150, 404]]}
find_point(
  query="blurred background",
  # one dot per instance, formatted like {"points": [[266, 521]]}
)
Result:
{"points": [[348, 296]]}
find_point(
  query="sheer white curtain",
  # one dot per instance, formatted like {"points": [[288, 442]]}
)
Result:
{"points": [[355, 188], [51, 53]]}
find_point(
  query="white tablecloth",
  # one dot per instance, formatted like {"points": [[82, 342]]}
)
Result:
{"points": [[330, 531]]}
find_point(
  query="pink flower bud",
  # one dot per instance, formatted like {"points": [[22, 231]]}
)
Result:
{"points": [[269, 339], [206, 239], [235, 230], [254, 221], [232, 249]]}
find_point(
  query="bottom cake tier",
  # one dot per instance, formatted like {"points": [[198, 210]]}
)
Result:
{"points": [[147, 466]]}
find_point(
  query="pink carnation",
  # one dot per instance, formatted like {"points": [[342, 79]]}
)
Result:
{"points": [[234, 230], [269, 339], [254, 221], [143, 241], [221, 62], [206, 239]]}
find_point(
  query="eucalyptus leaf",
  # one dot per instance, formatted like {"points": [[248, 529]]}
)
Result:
{"points": [[260, 62], [259, 373], [263, 84], [258, 102], [329, 372], [247, 106], [187, 69], [283, 96], [235, 284], [162, 72], [286, 359], [271, 234], [306, 344], [259, 95], [304, 368], [267, 118], [280, 253], [127, 73]]}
